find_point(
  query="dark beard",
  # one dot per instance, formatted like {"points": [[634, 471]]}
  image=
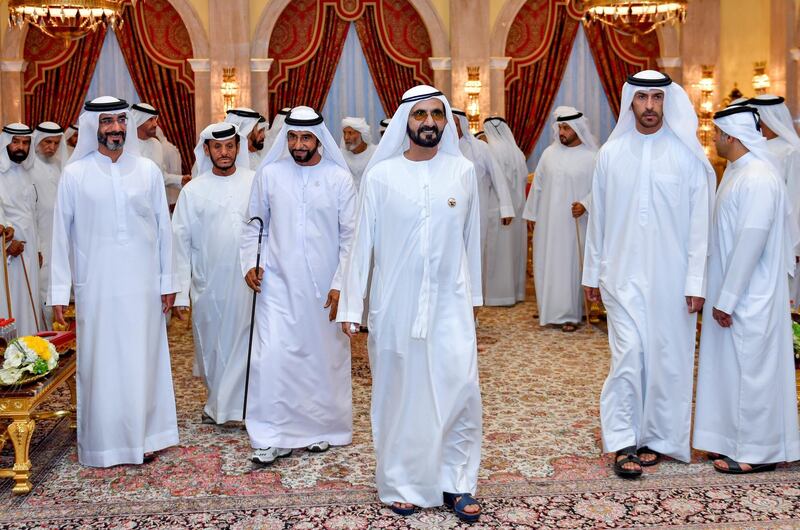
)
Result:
{"points": [[258, 146], [17, 156], [102, 139], [303, 158], [221, 167], [416, 137]]}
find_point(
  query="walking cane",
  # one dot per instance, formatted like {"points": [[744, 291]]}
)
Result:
{"points": [[30, 293], [580, 263], [5, 277], [252, 317]]}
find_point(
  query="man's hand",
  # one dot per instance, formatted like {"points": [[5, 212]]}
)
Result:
{"points": [[180, 312], [16, 248], [333, 303], [58, 314], [253, 280], [695, 303], [723, 319], [531, 225], [185, 180], [9, 231], [167, 301], [592, 294], [350, 328], [505, 221], [578, 209]]}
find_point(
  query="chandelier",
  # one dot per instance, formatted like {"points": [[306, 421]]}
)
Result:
{"points": [[66, 19], [634, 17]]}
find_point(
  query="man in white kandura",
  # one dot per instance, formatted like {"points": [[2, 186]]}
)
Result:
{"points": [[145, 122], [496, 206], [172, 156], [111, 215], [419, 215], [252, 126], [783, 142], [357, 146], [207, 227], [746, 394], [646, 245], [19, 197], [300, 389], [51, 156], [559, 198], [512, 244]]}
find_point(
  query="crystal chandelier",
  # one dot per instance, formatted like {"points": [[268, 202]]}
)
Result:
{"points": [[634, 17], [66, 19]]}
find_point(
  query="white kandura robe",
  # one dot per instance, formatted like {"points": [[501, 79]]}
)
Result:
{"points": [[256, 157], [45, 177], [495, 203], [114, 218], [507, 266], [563, 176], [3, 300], [746, 395], [300, 386], [19, 197], [426, 401], [152, 149], [646, 250], [358, 162], [788, 159], [207, 226]]}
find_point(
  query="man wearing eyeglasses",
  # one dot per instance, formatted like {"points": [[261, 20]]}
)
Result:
{"points": [[420, 217], [112, 223]]}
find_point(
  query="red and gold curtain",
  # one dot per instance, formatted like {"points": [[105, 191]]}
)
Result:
{"points": [[382, 31], [305, 67], [391, 32], [156, 44], [57, 77], [539, 43], [616, 56]]}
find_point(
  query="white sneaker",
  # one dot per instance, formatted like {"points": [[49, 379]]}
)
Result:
{"points": [[318, 447], [267, 456]]}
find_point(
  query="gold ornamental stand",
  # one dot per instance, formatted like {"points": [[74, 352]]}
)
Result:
{"points": [[19, 405]]}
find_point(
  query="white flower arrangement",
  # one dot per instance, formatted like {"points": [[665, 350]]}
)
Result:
{"points": [[33, 355]]}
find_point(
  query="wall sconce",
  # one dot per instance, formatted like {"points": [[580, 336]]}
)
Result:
{"points": [[760, 78], [706, 108], [472, 88], [229, 88]]}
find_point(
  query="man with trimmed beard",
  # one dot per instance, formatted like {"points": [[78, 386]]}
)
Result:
{"points": [[646, 248], [18, 195], [419, 215], [300, 389], [252, 126], [207, 227], [145, 121], [111, 222]]}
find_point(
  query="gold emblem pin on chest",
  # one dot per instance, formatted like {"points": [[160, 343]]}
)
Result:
{"points": [[451, 202]]}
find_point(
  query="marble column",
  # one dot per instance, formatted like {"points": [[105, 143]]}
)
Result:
{"points": [[497, 85], [202, 93], [259, 79], [229, 21], [11, 85], [441, 74]]}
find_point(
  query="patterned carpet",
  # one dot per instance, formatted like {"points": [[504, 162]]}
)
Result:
{"points": [[541, 466]]}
